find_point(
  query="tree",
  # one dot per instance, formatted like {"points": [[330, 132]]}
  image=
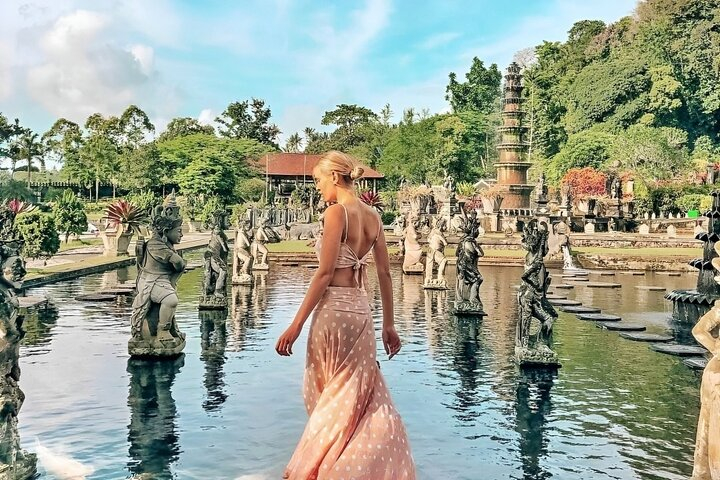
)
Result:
{"points": [[349, 120], [39, 234], [480, 92], [9, 131], [208, 175], [585, 182], [249, 119], [184, 126], [70, 217], [588, 148], [411, 150], [293, 143], [134, 127], [29, 149], [141, 168], [63, 140], [654, 153], [97, 161]]}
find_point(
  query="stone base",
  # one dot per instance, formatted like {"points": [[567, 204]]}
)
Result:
{"points": [[436, 284], [417, 269], [465, 308], [212, 302], [537, 357], [260, 266], [24, 468], [242, 279], [156, 348]]}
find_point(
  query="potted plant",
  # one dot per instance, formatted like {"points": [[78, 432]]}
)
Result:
{"points": [[373, 199], [124, 220]]}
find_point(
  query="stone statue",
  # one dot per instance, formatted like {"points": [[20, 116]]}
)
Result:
{"points": [[541, 190], [449, 184], [536, 316], [615, 191], [399, 225], [263, 234], [412, 261], [469, 279], [436, 256], [155, 332], [242, 260], [216, 266], [15, 463], [707, 440]]}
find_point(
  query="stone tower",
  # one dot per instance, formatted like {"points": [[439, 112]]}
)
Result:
{"points": [[512, 166]]}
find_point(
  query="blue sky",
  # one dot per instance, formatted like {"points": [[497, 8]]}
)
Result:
{"points": [[71, 58]]}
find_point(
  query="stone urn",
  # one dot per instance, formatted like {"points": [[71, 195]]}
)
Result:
{"points": [[116, 241]]}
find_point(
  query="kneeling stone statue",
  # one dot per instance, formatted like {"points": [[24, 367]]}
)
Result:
{"points": [[155, 332]]}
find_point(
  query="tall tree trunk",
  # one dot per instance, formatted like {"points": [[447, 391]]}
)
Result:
{"points": [[29, 162]]}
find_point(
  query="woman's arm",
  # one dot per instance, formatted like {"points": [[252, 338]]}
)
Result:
{"points": [[391, 340], [701, 331], [332, 233]]}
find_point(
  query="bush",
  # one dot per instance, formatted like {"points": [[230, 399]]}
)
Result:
{"points": [[388, 216], [250, 189], [690, 201], [145, 200], [211, 206], [38, 233], [70, 216]]}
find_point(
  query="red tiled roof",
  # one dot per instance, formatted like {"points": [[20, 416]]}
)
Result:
{"points": [[298, 164]]}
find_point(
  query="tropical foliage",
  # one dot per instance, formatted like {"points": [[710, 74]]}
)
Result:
{"points": [[127, 215]]}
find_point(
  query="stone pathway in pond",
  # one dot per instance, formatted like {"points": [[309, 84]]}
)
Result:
{"points": [[561, 302], [599, 317], [646, 337], [696, 363], [679, 350], [579, 309], [603, 285], [96, 297], [622, 326], [637, 274], [669, 274], [563, 286], [651, 288]]}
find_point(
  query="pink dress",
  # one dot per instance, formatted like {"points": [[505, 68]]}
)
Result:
{"points": [[354, 430]]}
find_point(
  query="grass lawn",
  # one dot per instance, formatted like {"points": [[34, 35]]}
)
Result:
{"points": [[85, 242]]}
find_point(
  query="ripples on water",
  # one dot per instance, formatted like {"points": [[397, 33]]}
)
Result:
{"points": [[231, 407]]}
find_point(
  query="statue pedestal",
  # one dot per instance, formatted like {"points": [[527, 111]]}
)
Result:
{"points": [[541, 356], [417, 269], [260, 266], [115, 242], [145, 348], [468, 309], [213, 302], [242, 279], [436, 284], [23, 468]]}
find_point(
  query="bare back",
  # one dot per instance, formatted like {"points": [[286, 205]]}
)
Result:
{"points": [[363, 227]]}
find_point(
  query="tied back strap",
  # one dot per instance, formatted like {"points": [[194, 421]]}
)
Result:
{"points": [[347, 226]]}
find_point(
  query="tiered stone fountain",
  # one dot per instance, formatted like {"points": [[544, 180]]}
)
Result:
{"points": [[690, 305]]}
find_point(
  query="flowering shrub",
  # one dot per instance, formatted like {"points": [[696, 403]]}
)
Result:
{"points": [[585, 182]]}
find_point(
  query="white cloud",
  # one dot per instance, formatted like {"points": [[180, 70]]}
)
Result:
{"points": [[145, 56], [6, 78], [207, 117], [82, 74]]}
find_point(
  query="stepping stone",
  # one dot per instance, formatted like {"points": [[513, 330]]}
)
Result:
{"points": [[556, 297], [669, 274], [647, 337], [650, 288], [599, 317], [563, 303], [30, 301], [622, 327], [96, 297], [679, 350], [604, 274], [573, 275], [289, 264], [577, 279], [602, 285], [696, 363], [117, 291], [563, 286], [580, 309], [311, 265], [637, 274]]}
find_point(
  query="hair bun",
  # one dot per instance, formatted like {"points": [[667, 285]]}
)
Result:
{"points": [[356, 172]]}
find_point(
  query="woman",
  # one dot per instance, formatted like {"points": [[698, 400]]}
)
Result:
{"points": [[354, 430]]}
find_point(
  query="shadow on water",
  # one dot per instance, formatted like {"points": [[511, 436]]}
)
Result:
{"points": [[152, 432], [213, 340]]}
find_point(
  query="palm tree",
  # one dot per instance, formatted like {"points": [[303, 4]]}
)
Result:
{"points": [[293, 143], [29, 149]]}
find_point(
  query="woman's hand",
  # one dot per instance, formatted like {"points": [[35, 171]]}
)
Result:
{"points": [[391, 341], [286, 340]]}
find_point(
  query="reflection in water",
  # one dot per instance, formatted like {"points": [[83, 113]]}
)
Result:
{"points": [[465, 363], [38, 324], [152, 432], [213, 339], [532, 407]]}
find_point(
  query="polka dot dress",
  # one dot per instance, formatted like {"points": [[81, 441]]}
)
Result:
{"points": [[354, 431]]}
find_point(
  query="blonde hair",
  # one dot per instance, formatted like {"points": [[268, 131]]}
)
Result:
{"points": [[345, 165]]}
